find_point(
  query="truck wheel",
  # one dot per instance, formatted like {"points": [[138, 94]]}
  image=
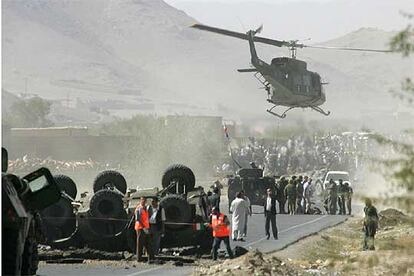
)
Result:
{"points": [[106, 216], [110, 179], [205, 241], [30, 258], [59, 213], [66, 184], [12, 261], [181, 174], [131, 236], [106, 204], [177, 210]]}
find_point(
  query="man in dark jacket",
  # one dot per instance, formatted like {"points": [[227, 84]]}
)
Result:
{"points": [[270, 214], [157, 224], [281, 196], [214, 199]]}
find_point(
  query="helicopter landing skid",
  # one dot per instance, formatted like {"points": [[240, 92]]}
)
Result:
{"points": [[320, 110], [281, 116]]}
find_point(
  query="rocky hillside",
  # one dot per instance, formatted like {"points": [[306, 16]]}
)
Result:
{"points": [[140, 56]]}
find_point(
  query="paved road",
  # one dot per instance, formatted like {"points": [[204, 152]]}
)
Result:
{"points": [[291, 229]]}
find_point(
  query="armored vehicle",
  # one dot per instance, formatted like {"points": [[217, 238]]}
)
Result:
{"points": [[104, 219], [97, 220], [101, 217], [186, 210], [22, 199], [253, 183]]}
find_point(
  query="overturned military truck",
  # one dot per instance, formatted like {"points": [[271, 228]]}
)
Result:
{"points": [[253, 183], [104, 220]]}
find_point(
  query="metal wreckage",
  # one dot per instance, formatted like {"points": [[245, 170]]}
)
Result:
{"points": [[104, 220]]}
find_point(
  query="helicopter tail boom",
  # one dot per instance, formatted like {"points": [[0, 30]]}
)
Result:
{"points": [[248, 70]]}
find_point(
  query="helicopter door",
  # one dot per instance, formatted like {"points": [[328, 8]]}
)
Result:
{"points": [[307, 84]]}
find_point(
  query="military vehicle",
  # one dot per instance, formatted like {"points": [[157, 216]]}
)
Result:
{"points": [[96, 220], [101, 217], [22, 199], [186, 210], [253, 183], [286, 80], [59, 221], [104, 220]]}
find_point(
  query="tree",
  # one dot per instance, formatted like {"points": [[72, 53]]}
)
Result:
{"points": [[400, 168], [29, 113]]}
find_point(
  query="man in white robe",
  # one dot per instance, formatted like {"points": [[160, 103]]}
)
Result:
{"points": [[240, 209], [247, 214]]}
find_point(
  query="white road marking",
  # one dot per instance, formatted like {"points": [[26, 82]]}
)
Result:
{"points": [[144, 271], [288, 229]]}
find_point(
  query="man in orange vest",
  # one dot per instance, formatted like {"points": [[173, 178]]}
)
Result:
{"points": [[221, 231], [142, 227]]}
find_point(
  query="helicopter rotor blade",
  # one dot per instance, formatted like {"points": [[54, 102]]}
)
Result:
{"points": [[274, 42], [347, 49], [259, 30], [279, 43]]}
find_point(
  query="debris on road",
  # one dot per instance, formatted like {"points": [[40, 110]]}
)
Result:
{"points": [[252, 263], [82, 253]]}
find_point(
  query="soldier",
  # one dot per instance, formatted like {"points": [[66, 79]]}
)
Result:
{"points": [[370, 225], [332, 197], [348, 197], [290, 192], [341, 197], [281, 196], [299, 195]]}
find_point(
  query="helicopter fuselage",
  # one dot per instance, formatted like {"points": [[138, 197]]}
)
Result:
{"points": [[292, 85]]}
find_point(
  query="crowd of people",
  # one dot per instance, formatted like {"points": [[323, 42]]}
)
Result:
{"points": [[301, 154]]}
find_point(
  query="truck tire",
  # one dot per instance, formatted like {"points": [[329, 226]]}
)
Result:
{"points": [[110, 179], [30, 258], [106, 204], [106, 217], [131, 237], [66, 184], [177, 210], [12, 261], [59, 213], [182, 174]]}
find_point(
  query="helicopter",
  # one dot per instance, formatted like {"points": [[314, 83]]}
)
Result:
{"points": [[286, 80]]}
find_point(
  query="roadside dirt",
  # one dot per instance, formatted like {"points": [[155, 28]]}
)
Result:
{"points": [[335, 251]]}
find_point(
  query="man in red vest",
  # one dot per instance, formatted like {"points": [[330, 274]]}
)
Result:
{"points": [[142, 227], [221, 231]]}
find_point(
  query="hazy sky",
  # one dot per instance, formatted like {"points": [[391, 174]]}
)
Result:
{"points": [[297, 19]]}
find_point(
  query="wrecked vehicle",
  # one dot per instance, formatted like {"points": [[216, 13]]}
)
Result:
{"points": [[104, 220], [186, 211], [253, 183], [22, 200]]}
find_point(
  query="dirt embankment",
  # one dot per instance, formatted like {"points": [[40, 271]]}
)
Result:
{"points": [[336, 251]]}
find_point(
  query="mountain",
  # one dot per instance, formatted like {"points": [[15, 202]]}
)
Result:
{"points": [[139, 56]]}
